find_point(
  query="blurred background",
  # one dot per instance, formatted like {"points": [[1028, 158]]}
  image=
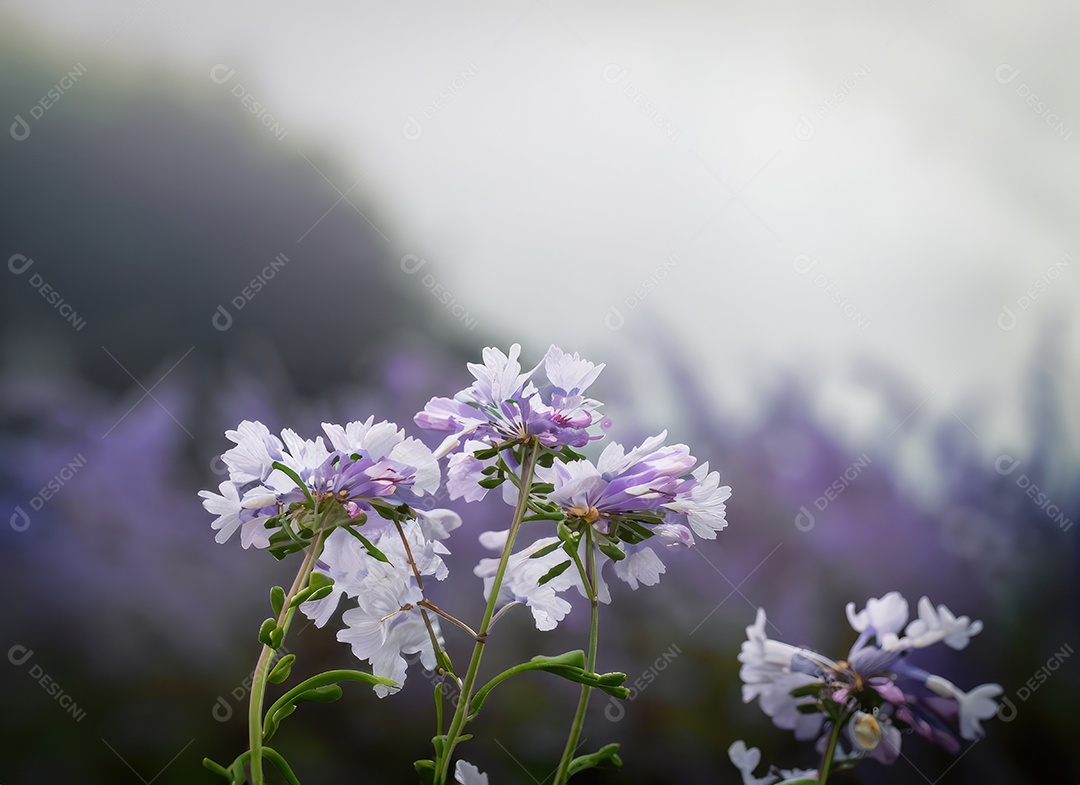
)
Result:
{"points": [[833, 248]]}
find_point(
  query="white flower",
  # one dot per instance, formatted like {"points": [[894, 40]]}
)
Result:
{"points": [[704, 504], [940, 625], [467, 774], [384, 440], [974, 706], [521, 578], [345, 560], [226, 506], [381, 632], [256, 449], [746, 760], [885, 617]]}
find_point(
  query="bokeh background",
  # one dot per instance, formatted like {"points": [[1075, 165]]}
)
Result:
{"points": [[826, 245]]}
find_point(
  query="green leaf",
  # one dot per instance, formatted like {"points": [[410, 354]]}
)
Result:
{"points": [[491, 482], [546, 550], [567, 455], [542, 488], [426, 770], [282, 669], [266, 630], [570, 665], [554, 572], [807, 689], [318, 580], [321, 688], [606, 754], [484, 455], [374, 552], [277, 599], [276, 637], [295, 478], [613, 552], [319, 594], [217, 768]]}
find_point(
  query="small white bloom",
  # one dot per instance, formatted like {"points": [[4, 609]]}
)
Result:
{"points": [[885, 616], [940, 625], [256, 449], [467, 774], [226, 506]]}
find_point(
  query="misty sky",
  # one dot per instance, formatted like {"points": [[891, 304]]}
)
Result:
{"points": [[776, 185]]}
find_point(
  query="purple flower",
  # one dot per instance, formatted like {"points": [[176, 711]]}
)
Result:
{"points": [[877, 691], [504, 403]]}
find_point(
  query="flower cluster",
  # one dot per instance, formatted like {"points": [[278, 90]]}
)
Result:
{"points": [[876, 694], [282, 493], [636, 504]]}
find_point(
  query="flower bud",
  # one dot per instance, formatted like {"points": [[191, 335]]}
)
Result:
{"points": [[866, 731]]}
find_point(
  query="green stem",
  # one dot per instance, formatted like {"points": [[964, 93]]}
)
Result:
{"points": [[262, 668], [528, 465], [590, 662], [826, 760]]}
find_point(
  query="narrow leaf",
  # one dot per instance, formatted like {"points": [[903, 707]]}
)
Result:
{"points": [[554, 572]]}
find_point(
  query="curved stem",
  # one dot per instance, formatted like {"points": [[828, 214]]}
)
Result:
{"points": [[262, 667], [590, 662], [442, 768], [827, 759]]}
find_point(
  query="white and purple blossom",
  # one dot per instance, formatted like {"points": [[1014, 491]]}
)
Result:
{"points": [[369, 461], [639, 504], [876, 691], [504, 404]]}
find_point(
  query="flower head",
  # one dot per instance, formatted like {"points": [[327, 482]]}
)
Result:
{"points": [[876, 691], [505, 404]]}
